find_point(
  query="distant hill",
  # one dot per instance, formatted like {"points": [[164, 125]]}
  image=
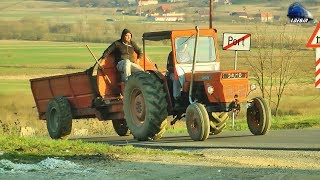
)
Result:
{"points": [[271, 1], [199, 3]]}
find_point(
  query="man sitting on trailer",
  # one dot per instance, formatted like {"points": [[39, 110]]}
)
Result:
{"points": [[124, 50]]}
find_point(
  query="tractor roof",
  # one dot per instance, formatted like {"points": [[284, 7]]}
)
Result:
{"points": [[157, 36], [162, 35]]}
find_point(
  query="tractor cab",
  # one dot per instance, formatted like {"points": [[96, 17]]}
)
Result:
{"points": [[183, 48], [194, 62], [206, 93]]}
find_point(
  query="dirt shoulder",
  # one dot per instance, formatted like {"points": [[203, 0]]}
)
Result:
{"points": [[202, 164], [225, 164]]}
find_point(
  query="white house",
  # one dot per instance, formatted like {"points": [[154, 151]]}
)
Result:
{"points": [[146, 2]]}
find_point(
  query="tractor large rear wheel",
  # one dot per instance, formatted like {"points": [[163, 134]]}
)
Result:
{"points": [[197, 121], [59, 118], [145, 106], [258, 116]]}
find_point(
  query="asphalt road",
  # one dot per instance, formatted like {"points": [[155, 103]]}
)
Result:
{"points": [[296, 140]]}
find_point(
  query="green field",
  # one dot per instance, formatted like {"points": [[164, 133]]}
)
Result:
{"points": [[8, 87], [18, 56]]}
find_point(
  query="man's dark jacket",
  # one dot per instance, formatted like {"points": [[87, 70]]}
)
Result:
{"points": [[121, 50]]}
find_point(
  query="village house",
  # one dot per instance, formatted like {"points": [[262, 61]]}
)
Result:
{"points": [[173, 1], [146, 2], [266, 17], [163, 9], [165, 18], [226, 2], [165, 13], [203, 13], [239, 14]]}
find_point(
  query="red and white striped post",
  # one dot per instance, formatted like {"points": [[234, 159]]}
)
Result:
{"points": [[314, 42], [317, 84]]}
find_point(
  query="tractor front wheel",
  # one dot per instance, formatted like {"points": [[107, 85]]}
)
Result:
{"points": [[197, 121], [59, 118], [258, 116]]}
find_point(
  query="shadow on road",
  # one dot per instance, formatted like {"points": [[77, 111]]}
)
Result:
{"points": [[184, 142]]}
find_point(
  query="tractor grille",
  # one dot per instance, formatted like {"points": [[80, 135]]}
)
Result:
{"points": [[240, 90]]}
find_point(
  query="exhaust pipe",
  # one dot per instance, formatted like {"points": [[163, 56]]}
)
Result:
{"points": [[193, 65]]}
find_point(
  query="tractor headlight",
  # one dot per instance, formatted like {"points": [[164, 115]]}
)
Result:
{"points": [[253, 87], [210, 90]]}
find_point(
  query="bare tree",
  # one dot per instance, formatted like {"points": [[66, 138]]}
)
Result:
{"points": [[288, 52], [271, 65]]}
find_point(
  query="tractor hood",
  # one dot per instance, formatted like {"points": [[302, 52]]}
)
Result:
{"points": [[225, 86]]}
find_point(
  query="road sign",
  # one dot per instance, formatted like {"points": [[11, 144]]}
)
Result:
{"points": [[236, 41], [314, 40]]}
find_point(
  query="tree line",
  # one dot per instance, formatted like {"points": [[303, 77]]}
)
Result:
{"points": [[39, 29]]}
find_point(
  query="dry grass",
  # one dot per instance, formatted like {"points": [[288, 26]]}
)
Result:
{"points": [[18, 110]]}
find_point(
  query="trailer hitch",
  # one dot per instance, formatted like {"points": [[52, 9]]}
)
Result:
{"points": [[235, 108], [178, 117]]}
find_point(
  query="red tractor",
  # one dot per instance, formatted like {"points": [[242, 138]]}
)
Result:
{"points": [[143, 104]]}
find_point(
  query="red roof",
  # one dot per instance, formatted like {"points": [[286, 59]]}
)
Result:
{"points": [[165, 7], [266, 15]]}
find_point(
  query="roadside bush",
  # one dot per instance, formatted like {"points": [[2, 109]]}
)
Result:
{"points": [[34, 28], [61, 28], [59, 37], [10, 30]]}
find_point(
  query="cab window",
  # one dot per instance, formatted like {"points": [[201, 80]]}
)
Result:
{"points": [[185, 49]]}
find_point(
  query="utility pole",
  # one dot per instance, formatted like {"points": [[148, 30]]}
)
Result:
{"points": [[210, 15], [139, 7]]}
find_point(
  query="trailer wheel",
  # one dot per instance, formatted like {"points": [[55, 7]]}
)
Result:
{"points": [[145, 106], [59, 118], [258, 116], [197, 121], [120, 126]]}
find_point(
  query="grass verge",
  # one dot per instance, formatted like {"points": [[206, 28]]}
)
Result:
{"points": [[24, 149]]}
